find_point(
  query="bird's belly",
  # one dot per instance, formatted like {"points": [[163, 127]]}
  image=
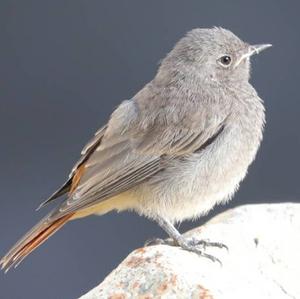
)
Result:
{"points": [[189, 188]]}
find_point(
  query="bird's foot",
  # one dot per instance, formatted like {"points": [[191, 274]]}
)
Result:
{"points": [[192, 245], [206, 243], [199, 246]]}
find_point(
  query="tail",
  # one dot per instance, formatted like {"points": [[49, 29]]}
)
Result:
{"points": [[34, 238]]}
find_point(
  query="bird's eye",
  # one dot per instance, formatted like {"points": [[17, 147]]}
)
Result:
{"points": [[225, 60]]}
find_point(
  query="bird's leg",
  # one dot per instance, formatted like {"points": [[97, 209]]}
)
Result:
{"points": [[177, 239]]}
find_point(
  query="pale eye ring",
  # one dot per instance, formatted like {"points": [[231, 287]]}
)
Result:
{"points": [[225, 60]]}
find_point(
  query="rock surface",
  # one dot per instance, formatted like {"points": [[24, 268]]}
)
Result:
{"points": [[263, 261]]}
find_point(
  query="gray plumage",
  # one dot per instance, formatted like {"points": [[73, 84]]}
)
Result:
{"points": [[182, 144], [155, 136]]}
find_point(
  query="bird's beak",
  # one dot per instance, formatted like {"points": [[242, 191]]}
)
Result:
{"points": [[256, 49], [251, 50]]}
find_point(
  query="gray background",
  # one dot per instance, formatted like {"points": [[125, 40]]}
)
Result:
{"points": [[65, 65]]}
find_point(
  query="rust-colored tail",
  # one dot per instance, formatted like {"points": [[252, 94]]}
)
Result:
{"points": [[35, 237]]}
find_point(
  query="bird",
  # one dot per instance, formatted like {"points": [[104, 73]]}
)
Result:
{"points": [[178, 147]]}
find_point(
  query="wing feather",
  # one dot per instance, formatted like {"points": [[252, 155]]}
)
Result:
{"points": [[127, 157]]}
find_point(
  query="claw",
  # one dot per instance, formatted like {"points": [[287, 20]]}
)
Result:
{"points": [[187, 244], [154, 241], [158, 241], [212, 258], [207, 243], [190, 246]]}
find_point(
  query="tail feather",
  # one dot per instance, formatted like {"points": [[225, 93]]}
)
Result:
{"points": [[34, 238]]}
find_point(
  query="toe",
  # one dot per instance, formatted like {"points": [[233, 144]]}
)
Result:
{"points": [[154, 241], [207, 243]]}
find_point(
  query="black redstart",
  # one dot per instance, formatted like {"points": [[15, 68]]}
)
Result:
{"points": [[181, 145]]}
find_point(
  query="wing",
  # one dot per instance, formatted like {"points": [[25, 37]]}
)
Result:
{"points": [[129, 154], [73, 176]]}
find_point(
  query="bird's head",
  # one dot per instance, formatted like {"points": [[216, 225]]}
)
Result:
{"points": [[214, 55]]}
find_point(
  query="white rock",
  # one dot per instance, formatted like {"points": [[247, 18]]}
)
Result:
{"points": [[263, 261]]}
